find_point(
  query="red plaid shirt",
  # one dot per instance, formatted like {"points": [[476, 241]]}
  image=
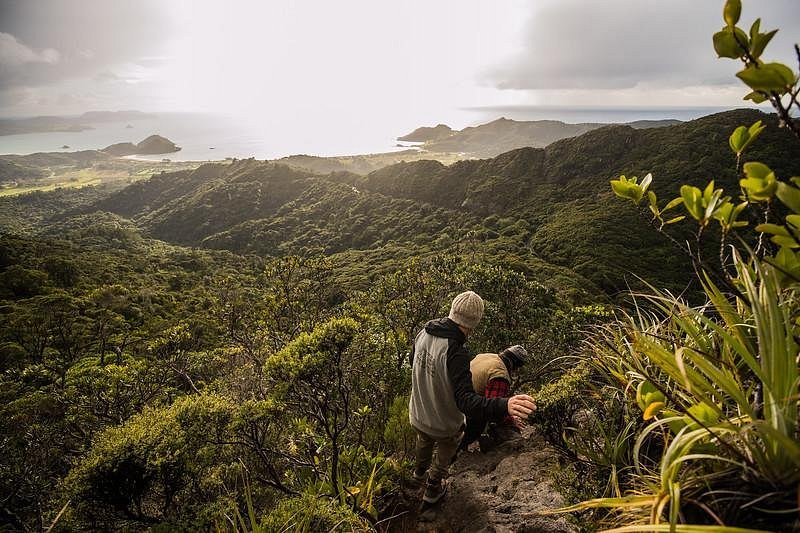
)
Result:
{"points": [[499, 388]]}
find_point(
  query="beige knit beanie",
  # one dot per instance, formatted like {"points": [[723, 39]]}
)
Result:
{"points": [[467, 310]]}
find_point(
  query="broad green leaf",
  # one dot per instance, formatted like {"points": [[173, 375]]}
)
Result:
{"points": [[731, 12], [769, 77], [756, 97], [726, 45], [692, 201], [713, 202], [755, 27], [760, 182], [651, 197], [704, 413], [627, 189], [755, 129], [760, 42], [724, 211], [780, 235], [655, 396], [787, 262], [759, 190], [738, 139], [673, 203], [742, 137], [708, 191], [644, 391], [619, 188], [793, 220], [790, 196], [756, 170], [772, 229], [728, 213], [646, 182], [785, 241]]}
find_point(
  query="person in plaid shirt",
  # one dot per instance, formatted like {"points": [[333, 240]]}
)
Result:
{"points": [[491, 378]]}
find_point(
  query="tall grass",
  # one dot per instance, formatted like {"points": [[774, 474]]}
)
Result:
{"points": [[718, 385]]}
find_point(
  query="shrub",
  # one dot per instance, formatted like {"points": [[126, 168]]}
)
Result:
{"points": [[309, 513]]}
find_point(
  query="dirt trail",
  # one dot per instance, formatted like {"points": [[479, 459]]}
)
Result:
{"points": [[500, 491]]}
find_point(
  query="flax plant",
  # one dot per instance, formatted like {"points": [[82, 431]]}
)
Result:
{"points": [[717, 385], [726, 378]]}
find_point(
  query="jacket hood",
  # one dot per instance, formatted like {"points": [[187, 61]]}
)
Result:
{"points": [[445, 328]]}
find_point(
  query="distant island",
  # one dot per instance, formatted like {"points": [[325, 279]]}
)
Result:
{"points": [[155, 144], [503, 134], [47, 124]]}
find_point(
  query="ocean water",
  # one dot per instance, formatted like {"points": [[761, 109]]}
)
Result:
{"points": [[210, 137]]}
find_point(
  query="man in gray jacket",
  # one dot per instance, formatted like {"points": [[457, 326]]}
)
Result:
{"points": [[442, 393]]}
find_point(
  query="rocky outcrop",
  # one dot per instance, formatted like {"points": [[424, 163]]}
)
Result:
{"points": [[503, 491]]}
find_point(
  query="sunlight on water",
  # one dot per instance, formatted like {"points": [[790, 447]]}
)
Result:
{"points": [[208, 137]]}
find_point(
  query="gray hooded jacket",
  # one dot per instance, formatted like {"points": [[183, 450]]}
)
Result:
{"points": [[441, 383]]}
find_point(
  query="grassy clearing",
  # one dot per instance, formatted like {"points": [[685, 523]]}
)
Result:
{"points": [[121, 171], [78, 183]]}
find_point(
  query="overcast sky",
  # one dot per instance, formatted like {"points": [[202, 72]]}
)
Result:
{"points": [[416, 57]]}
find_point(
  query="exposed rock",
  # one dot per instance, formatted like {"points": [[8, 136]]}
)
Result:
{"points": [[503, 491]]}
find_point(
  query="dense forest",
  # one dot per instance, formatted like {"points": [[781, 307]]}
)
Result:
{"points": [[227, 347]]}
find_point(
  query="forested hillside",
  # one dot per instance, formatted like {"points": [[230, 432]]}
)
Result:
{"points": [[167, 350], [527, 201]]}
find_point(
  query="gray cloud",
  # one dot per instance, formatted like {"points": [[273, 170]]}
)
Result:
{"points": [[14, 53], [618, 44], [43, 43]]}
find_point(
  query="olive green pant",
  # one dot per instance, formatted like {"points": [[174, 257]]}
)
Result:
{"points": [[439, 464]]}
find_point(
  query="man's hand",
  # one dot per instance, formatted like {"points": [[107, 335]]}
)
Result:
{"points": [[521, 406]]}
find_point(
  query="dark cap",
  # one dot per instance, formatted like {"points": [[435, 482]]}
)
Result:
{"points": [[516, 354]]}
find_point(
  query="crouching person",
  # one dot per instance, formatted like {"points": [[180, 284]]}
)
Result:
{"points": [[491, 378], [442, 393]]}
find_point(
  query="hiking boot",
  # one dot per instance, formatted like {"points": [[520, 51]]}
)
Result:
{"points": [[435, 491], [420, 477], [486, 443], [504, 434]]}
